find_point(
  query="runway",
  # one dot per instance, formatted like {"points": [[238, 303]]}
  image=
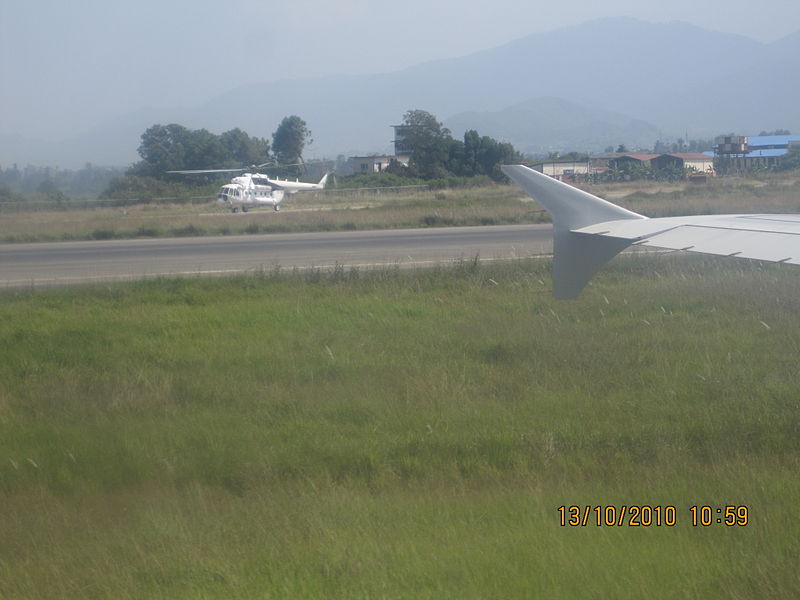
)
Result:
{"points": [[63, 263]]}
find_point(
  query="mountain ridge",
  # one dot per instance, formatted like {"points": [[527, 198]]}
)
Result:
{"points": [[674, 78]]}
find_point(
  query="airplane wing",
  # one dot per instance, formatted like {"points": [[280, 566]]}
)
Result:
{"points": [[774, 238], [589, 231]]}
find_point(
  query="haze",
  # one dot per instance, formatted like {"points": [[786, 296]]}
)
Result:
{"points": [[70, 66]]}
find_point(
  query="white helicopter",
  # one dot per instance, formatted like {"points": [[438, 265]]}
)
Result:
{"points": [[256, 189]]}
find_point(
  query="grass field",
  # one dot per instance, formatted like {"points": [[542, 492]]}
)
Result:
{"points": [[347, 210], [494, 205], [401, 434]]}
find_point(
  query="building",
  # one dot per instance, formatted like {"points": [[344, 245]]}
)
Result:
{"points": [[744, 153], [376, 164], [691, 161], [598, 163], [644, 160], [563, 171], [401, 146], [370, 164]]}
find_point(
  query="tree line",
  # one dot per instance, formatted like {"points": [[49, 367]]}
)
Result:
{"points": [[174, 147], [49, 184], [435, 154]]}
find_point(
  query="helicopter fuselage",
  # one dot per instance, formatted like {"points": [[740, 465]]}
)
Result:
{"points": [[255, 189]]}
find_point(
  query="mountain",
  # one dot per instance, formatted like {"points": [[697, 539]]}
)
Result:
{"points": [[678, 77], [542, 125]]}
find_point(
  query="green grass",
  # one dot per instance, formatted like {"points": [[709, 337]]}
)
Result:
{"points": [[401, 434], [775, 193], [340, 211], [345, 210]]}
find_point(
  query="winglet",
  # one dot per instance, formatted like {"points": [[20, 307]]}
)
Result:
{"points": [[576, 256]]}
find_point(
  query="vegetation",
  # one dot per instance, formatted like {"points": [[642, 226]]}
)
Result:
{"points": [[634, 170], [335, 210], [174, 147], [381, 207], [436, 155], [769, 194], [681, 145], [401, 435], [289, 140], [43, 184], [388, 179], [776, 132], [437, 160], [790, 161]]}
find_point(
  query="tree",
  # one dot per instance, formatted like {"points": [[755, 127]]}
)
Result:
{"points": [[435, 154], [163, 148], [50, 191], [472, 145], [429, 143], [290, 139], [204, 150], [174, 147], [483, 155], [242, 150]]}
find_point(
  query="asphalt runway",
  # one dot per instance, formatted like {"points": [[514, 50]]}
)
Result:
{"points": [[63, 263]]}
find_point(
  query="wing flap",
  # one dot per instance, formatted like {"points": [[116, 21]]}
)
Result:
{"points": [[760, 245], [773, 238]]}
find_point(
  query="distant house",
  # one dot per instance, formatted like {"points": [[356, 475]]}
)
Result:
{"points": [[642, 159], [563, 171], [693, 161], [599, 162], [379, 163], [375, 164]]}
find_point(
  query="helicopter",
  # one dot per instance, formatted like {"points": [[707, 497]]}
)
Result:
{"points": [[256, 189]]}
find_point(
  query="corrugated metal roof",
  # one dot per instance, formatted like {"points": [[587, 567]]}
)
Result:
{"points": [[760, 153], [771, 140], [642, 157], [606, 155], [690, 155], [767, 153], [770, 153]]}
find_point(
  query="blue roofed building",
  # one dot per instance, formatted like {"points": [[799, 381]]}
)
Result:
{"points": [[772, 142], [742, 153]]}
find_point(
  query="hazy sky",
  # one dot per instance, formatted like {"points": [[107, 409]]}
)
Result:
{"points": [[68, 65]]}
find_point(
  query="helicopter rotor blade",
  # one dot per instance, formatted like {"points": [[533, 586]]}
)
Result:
{"points": [[239, 170], [274, 164], [193, 171]]}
